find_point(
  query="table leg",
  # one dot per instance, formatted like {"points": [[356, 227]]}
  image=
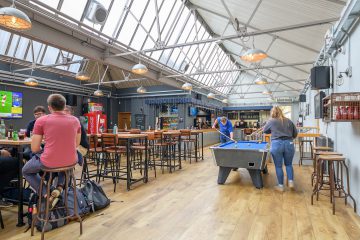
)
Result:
{"points": [[223, 174], [202, 146], [20, 182], [179, 151], [146, 161], [256, 177], [196, 147], [128, 166]]}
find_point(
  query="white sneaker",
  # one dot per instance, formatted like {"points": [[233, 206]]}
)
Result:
{"points": [[279, 188], [291, 185]]}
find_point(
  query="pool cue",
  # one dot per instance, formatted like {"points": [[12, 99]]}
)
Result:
{"points": [[226, 136]]}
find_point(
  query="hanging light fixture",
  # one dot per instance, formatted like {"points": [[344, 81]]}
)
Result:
{"points": [[10, 17], [139, 69], [225, 100], [32, 82], [141, 90], [253, 54], [261, 81], [267, 92], [187, 86], [82, 76], [211, 95], [98, 93]]}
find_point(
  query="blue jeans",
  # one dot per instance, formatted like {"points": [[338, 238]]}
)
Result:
{"points": [[283, 150]]}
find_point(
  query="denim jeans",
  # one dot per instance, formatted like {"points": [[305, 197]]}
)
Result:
{"points": [[283, 151], [224, 139]]}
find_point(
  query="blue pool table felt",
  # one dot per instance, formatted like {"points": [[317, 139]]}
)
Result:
{"points": [[244, 145]]}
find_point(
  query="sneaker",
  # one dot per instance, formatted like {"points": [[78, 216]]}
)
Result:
{"points": [[279, 188], [4, 204], [291, 185]]}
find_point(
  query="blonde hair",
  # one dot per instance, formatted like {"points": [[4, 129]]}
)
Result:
{"points": [[277, 113], [223, 120]]}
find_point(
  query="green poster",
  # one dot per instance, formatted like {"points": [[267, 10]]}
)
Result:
{"points": [[6, 103]]}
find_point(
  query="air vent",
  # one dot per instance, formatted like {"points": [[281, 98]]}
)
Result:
{"points": [[96, 13]]}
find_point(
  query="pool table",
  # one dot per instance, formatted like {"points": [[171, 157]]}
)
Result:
{"points": [[243, 154]]}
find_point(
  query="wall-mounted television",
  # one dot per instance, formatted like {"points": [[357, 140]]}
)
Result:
{"points": [[174, 109], [193, 111], [11, 104]]}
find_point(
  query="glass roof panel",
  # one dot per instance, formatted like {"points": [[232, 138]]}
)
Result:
{"points": [[113, 17], [13, 46], [73, 8], [4, 36], [22, 47]]}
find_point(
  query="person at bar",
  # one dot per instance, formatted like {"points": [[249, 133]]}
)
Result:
{"points": [[8, 171], [226, 128], [62, 133], [283, 131], [84, 144], [38, 111]]}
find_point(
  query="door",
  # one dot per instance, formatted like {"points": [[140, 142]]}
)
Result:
{"points": [[124, 119]]}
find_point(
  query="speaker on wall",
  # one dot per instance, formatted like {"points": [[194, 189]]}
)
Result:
{"points": [[321, 77], [71, 100], [302, 98]]}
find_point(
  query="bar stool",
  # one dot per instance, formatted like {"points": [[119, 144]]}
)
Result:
{"points": [[302, 147], [336, 179], [93, 156], [188, 141], [314, 153], [43, 214]]}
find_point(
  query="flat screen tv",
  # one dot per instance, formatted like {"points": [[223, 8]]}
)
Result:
{"points": [[318, 104], [11, 104], [174, 110], [193, 111]]}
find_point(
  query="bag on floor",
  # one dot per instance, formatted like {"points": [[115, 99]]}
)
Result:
{"points": [[83, 206], [95, 195], [54, 215]]}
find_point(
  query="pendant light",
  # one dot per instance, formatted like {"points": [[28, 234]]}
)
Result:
{"points": [[211, 95], [141, 90], [139, 69], [82, 75], [187, 86], [267, 92], [10, 17], [253, 54], [261, 81], [225, 101], [32, 82], [98, 93]]}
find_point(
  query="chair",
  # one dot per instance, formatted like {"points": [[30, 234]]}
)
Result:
{"points": [[302, 148], [93, 156], [43, 214], [111, 161]]}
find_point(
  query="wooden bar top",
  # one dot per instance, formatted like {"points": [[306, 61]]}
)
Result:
{"points": [[26, 141]]}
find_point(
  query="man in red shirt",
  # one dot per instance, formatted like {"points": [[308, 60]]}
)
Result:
{"points": [[61, 133]]}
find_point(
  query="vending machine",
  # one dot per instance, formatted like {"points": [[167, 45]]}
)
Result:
{"points": [[96, 121]]}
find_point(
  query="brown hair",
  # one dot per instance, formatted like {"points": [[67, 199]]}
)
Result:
{"points": [[57, 102], [70, 108], [39, 109], [277, 113]]}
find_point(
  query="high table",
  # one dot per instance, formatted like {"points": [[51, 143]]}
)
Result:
{"points": [[19, 146], [128, 137], [196, 132]]}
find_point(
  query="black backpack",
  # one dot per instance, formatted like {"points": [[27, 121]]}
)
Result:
{"points": [[83, 205], [95, 195]]}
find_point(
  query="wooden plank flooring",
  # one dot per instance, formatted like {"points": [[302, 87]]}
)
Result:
{"points": [[189, 204]]}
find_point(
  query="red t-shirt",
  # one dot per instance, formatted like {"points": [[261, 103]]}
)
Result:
{"points": [[59, 131]]}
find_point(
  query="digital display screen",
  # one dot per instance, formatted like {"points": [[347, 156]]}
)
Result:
{"points": [[193, 111], [11, 104]]}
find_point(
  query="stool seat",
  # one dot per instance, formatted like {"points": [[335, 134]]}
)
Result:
{"points": [[324, 148], [306, 140], [59, 169], [328, 153], [331, 158], [97, 149]]}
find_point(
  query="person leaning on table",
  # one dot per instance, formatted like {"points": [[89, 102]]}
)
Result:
{"points": [[225, 127], [283, 131]]}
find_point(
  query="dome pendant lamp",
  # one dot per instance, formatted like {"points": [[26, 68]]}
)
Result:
{"points": [[254, 54], [10, 17]]}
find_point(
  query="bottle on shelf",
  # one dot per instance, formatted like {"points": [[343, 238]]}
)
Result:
{"points": [[115, 129], [2, 129]]}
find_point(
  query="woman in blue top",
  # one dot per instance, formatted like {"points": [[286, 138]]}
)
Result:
{"points": [[226, 128]]}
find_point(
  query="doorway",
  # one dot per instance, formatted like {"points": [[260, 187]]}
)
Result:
{"points": [[124, 120]]}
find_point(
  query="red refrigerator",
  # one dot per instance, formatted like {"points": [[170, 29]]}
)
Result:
{"points": [[96, 120]]}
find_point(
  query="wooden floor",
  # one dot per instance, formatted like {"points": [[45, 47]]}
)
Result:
{"points": [[188, 204]]}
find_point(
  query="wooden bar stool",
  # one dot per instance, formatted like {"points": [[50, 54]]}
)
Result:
{"points": [[43, 214], [316, 149], [302, 147], [336, 179]]}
